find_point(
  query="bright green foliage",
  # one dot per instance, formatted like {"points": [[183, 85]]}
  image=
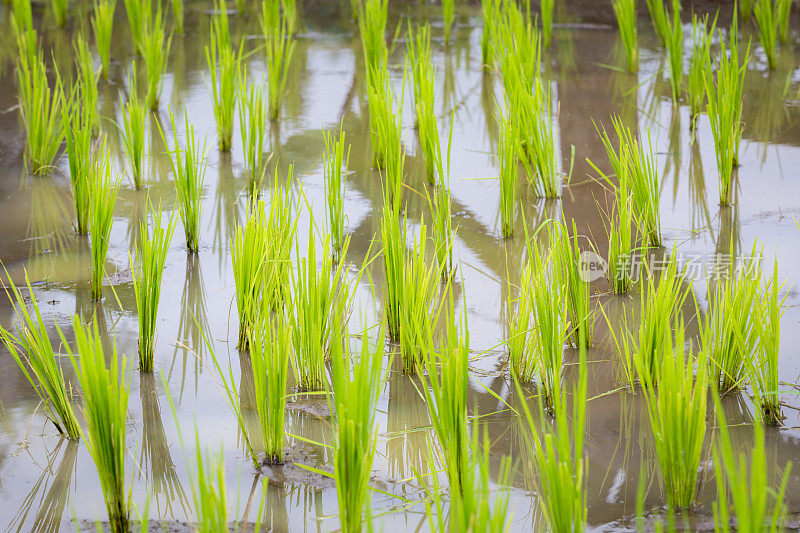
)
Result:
{"points": [[139, 14], [282, 229], [670, 32], [337, 158], [393, 238], [249, 252], [746, 9], [509, 177], [424, 76], [24, 34], [448, 18], [88, 77], [105, 408], [747, 489], [79, 152], [32, 350], [279, 47], [134, 117], [621, 241], [537, 147], [103, 193], [566, 257], [355, 389], [548, 9], [155, 51], [177, 16], [103, 28], [372, 16], [208, 491], [767, 21], [188, 169], [385, 124], [699, 63], [659, 18], [253, 127], [677, 409], [783, 10], [225, 70], [442, 231], [490, 13], [270, 352], [625, 11], [59, 9]]}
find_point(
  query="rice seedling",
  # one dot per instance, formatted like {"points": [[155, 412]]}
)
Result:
{"points": [[699, 63], [249, 253], [424, 77], [220, 29], [385, 124], [178, 16], [147, 268], [538, 152], [448, 18], [766, 20], [270, 347], [621, 242], [103, 29], [103, 195], [282, 227], [355, 389], [33, 352], [747, 490], [677, 410], [79, 153], [188, 170], [59, 9], [155, 51], [724, 92], [22, 26], [393, 238], [335, 163], [672, 34], [547, 10], [208, 491], [105, 408], [746, 9], [509, 177], [134, 117], [41, 107], [519, 332], [279, 47], [225, 71], [625, 11], [372, 17], [566, 257], [490, 13], [88, 77], [442, 231], [763, 366], [659, 18], [783, 9], [139, 13], [252, 127]]}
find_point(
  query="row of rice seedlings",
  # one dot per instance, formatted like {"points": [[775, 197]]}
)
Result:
{"points": [[178, 16], [676, 405], [209, 492], [335, 163], [105, 408], [188, 170], [59, 8], [385, 124], [442, 230], [225, 70], [393, 238], [746, 490], [252, 127], [547, 10], [372, 17], [355, 389], [634, 164], [270, 347], [79, 144], [147, 269], [103, 196], [279, 46], [724, 91], [698, 64], [134, 117], [424, 77], [558, 452], [448, 18], [509, 177], [33, 352], [155, 51], [41, 108], [566, 257], [139, 13], [625, 11], [103, 29]]}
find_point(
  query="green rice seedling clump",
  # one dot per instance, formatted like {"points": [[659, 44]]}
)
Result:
{"points": [[103, 194], [105, 408], [489, 16], [147, 269], [178, 16], [783, 10], [625, 11], [249, 251], [103, 29], [33, 352], [699, 63], [22, 27], [209, 492], [509, 178], [548, 9], [337, 158], [134, 118], [139, 13], [252, 126], [424, 77], [224, 67], [88, 77], [621, 241], [79, 154], [767, 22], [393, 238], [659, 18], [372, 16], [566, 257], [448, 18], [155, 51], [385, 124], [59, 8], [188, 169], [442, 231], [279, 46]]}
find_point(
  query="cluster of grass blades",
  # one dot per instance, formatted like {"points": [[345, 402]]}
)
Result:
{"points": [[547, 11], [660, 19], [147, 269], [538, 152], [372, 16], [385, 124], [139, 14], [208, 490], [625, 12], [155, 51], [670, 32], [270, 348], [87, 80], [393, 239], [746, 490], [224, 68], [79, 143], [282, 227], [279, 46], [188, 170], [220, 29], [699, 63], [59, 9], [424, 77], [490, 12], [440, 206], [772, 19], [676, 406], [621, 229], [509, 178], [103, 196], [22, 28], [178, 16], [784, 10], [252, 126], [105, 408], [724, 91], [566, 257], [134, 119], [272, 11], [33, 352], [448, 19], [41, 108], [103, 30], [337, 158]]}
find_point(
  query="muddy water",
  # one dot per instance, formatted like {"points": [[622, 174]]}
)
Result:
{"points": [[45, 483]]}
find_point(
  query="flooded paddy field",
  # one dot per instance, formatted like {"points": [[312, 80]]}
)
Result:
{"points": [[50, 483]]}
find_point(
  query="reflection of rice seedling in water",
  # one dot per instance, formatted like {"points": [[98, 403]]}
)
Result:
{"points": [[252, 126], [418, 278], [188, 169], [139, 13], [424, 76], [724, 92], [767, 21], [335, 172], [177, 16], [763, 367], [355, 393], [677, 409], [699, 63], [105, 407], [224, 67], [209, 492], [279, 46], [32, 350], [448, 18], [509, 176], [103, 194], [393, 238], [59, 10], [270, 352], [134, 115], [747, 489], [548, 8], [103, 28], [155, 51], [625, 11], [40, 108], [79, 152], [151, 257]]}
